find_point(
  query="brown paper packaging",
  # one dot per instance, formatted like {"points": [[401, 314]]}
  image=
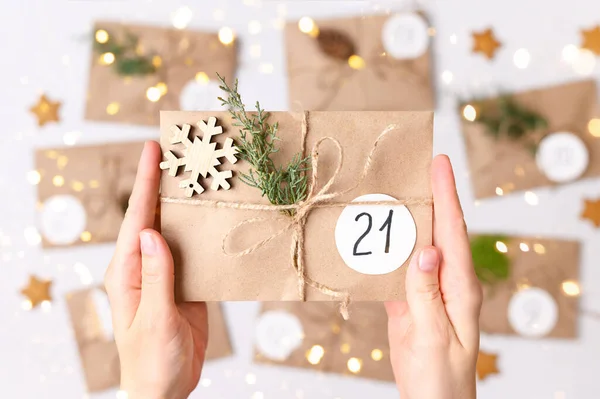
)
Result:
{"points": [[195, 233], [101, 177], [361, 338], [99, 356], [546, 265], [510, 165], [318, 82], [183, 53]]}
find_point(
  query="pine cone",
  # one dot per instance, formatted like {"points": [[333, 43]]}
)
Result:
{"points": [[336, 44]]}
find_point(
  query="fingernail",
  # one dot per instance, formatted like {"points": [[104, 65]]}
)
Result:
{"points": [[147, 243], [428, 260]]}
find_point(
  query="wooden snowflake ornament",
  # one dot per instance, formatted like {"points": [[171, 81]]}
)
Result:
{"points": [[200, 157]]}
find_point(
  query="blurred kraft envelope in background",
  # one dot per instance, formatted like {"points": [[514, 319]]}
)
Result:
{"points": [[547, 264], [344, 66], [501, 166], [83, 192], [185, 62], [314, 336]]}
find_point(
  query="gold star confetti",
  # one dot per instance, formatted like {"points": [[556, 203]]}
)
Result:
{"points": [[592, 211], [591, 39], [46, 110], [486, 365], [37, 291], [485, 42]]}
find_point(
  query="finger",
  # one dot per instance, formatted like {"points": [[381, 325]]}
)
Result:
{"points": [[423, 289], [123, 276], [450, 232], [398, 321], [460, 287], [157, 275], [141, 213]]}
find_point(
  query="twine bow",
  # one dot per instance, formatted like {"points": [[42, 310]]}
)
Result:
{"points": [[297, 223]]}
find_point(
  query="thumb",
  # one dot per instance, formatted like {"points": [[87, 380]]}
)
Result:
{"points": [[157, 272], [423, 288]]}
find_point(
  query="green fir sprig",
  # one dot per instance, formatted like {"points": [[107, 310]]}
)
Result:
{"points": [[510, 120], [281, 185], [491, 265], [127, 61]]}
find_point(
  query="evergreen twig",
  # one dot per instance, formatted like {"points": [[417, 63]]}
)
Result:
{"points": [[282, 185], [127, 61], [511, 120]]}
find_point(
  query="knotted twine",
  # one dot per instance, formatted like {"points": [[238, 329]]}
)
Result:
{"points": [[297, 222]]}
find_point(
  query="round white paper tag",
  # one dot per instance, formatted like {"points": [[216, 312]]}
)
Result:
{"points": [[375, 239], [62, 219], [562, 157], [532, 312], [200, 96], [405, 36], [278, 334]]}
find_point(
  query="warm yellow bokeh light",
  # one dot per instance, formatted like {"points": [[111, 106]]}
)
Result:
{"points": [[571, 288], [94, 184], [499, 191], [86, 236], [62, 162], [594, 127], [345, 348], [315, 354], [524, 247], [354, 365], [34, 177], [501, 247], [307, 25], [202, 77], [469, 113], [112, 108], [153, 94], [26, 305], [162, 87], [107, 58], [102, 36], [46, 305], [226, 35], [356, 62], [157, 61], [539, 248], [531, 198], [376, 354], [77, 186], [58, 181]]}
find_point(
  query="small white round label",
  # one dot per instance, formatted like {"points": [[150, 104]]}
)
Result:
{"points": [[200, 96], [62, 219], [532, 312], [405, 36], [278, 334], [375, 239], [562, 157]]}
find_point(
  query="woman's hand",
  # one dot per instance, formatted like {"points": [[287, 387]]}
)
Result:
{"points": [[161, 345], [434, 336]]}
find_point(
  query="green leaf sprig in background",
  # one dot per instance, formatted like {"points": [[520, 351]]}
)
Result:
{"points": [[491, 265], [124, 59]]}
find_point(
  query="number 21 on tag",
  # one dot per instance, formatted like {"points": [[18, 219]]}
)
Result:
{"points": [[375, 239]]}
